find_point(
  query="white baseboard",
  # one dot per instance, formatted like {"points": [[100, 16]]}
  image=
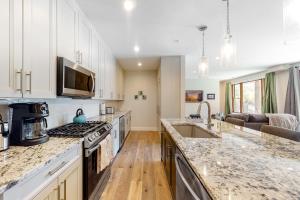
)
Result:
{"points": [[144, 128]]}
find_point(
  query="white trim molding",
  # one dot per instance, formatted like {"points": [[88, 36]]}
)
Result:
{"points": [[144, 129]]}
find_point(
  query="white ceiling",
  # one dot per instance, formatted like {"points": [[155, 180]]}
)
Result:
{"points": [[131, 64], [257, 27]]}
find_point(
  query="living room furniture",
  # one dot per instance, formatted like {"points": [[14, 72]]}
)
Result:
{"points": [[235, 121], [281, 132], [253, 121]]}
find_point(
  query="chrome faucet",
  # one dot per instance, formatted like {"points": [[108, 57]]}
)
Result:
{"points": [[209, 124]]}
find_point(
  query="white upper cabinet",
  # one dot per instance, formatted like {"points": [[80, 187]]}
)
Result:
{"points": [[39, 56], [34, 32], [10, 66], [84, 41], [102, 70], [66, 30], [96, 63]]}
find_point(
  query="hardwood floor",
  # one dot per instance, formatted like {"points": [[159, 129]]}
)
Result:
{"points": [[137, 173]]}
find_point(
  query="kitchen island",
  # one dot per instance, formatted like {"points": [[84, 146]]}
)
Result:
{"points": [[240, 163]]}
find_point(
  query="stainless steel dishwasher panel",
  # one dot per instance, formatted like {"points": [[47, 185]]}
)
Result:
{"points": [[188, 186]]}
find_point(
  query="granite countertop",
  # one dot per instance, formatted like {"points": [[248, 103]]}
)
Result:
{"points": [[241, 163], [20, 162], [109, 117]]}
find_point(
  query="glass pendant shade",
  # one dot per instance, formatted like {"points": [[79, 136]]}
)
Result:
{"points": [[228, 52], [203, 66]]}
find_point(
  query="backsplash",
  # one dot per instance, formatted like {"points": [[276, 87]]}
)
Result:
{"points": [[61, 110]]}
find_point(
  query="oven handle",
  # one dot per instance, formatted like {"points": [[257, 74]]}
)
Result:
{"points": [[88, 152]]}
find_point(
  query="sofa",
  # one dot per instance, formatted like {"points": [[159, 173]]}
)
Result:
{"points": [[253, 121], [281, 132]]}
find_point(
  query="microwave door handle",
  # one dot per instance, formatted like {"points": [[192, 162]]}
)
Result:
{"points": [[93, 87], [184, 179]]}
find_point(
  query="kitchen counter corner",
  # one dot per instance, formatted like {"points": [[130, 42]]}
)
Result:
{"points": [[20, 162]]}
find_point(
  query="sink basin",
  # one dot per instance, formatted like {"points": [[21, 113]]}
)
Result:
{"points": [[193, 131]]}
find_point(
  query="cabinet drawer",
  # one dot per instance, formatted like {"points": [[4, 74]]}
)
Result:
{"points": [[32, 184]]}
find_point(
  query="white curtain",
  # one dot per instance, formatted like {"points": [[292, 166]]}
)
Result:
{"points": [[292, 102]]}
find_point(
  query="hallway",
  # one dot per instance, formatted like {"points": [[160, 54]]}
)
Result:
{"points": [[137, 172]]}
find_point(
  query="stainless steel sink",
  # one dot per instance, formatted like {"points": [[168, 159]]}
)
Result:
{"points": [[193, 131]]}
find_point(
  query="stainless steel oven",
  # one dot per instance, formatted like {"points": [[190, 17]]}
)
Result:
{"points": [[74, 80], [95, 178]]}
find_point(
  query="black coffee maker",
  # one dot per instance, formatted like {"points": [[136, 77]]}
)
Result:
{"points": [[28, 123]]}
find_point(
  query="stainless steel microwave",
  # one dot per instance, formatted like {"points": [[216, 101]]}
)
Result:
{"points": [[74, 80]]}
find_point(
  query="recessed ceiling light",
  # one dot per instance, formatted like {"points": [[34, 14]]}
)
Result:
{"points": [[217, 58], [136, 48], [129, 5], [140, 64]]}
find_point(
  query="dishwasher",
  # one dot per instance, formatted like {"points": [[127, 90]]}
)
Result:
{"points": [[122, 131], [188, 186]]}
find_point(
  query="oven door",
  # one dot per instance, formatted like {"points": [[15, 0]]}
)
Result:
{"points": [[92, 158], [94, 178], [74, 80]]}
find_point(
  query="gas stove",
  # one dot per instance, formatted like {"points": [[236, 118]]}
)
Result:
{"points": [[91, 131]]}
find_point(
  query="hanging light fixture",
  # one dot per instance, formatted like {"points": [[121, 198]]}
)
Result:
{"points": [[228, 50], [203, 65]]}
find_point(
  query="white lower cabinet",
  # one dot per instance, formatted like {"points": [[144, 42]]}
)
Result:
{"points": [[59, 179], [68, 185], [50, 192]]}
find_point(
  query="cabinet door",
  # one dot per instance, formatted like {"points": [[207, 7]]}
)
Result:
{"points": [[107, 69], [39, 58], [101, 69], [95, 64], [66, 30], [50, 192], [70, 182], [84, 41], [10, 65]]}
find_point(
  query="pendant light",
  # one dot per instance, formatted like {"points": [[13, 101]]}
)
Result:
{"points": [[203, 65], [228, 50]]}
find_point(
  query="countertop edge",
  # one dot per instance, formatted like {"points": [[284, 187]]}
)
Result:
{"points": [[40, 166]]}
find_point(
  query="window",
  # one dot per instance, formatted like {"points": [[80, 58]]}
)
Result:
{"points": [[247, 97]]}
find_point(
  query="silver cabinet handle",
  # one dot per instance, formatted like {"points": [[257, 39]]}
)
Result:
{"points": [[50, 173], [62, 190], [29, 74], [19, 73], [183, 178]]}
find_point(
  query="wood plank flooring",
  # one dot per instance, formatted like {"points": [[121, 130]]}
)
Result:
{"points": [[137, 173]]}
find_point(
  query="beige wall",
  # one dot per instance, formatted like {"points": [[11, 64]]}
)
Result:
{"points": [[171, 87], [144, 112], [208, 86], [222, 96]]}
